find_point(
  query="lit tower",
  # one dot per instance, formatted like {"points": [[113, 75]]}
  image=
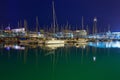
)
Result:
{"points": [[95, 26]]}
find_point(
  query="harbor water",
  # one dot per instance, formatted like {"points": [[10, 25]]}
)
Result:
{"points": [[90, 61]]}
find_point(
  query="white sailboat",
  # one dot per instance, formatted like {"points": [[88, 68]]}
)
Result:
{"points": [[53, 40]]}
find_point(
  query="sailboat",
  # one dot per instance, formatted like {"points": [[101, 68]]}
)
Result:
{"points": [[82, 40], [54, 40]]}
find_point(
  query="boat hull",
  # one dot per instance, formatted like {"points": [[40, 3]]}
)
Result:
{"points": [[54, 42]]}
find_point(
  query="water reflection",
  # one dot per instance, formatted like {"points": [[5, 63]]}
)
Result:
{"points": [[12, 46], [50, 52], [81, 45], [94, 58], [50, 61], [66, 51], [115, 44], [54, 46]]}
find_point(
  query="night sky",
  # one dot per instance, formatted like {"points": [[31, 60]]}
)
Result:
{"points": [[107, 12]]}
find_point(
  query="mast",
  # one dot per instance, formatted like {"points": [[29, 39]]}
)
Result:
{"points": [[37, 24], [25, 26], [57, 28], [93, 30], [66, 27], [87, 30], [51, 28], [76, 27], [82, 23], [18, 24], [53, 16], [2, 27], [108, 27], [69, 27]]}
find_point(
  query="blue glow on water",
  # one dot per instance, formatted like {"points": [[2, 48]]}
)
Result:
{"points": [[115, 44], [16, 47], [8, 48]]}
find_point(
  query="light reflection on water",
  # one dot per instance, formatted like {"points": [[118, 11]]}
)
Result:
{"points": [[13, 46], [45, 47], [63, 49], [115, 44], [54, 46]]}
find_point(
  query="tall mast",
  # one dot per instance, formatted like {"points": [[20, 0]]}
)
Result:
{"points": [[69, 27], [53, 16], [2, 27], [109, 27], [25, 26], [37, 24], [87, 30], [82, 23], [51, 28], [93, 30], [66, 27], [18, 24], [76, 27]]}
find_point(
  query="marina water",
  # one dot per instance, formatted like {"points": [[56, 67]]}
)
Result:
{"points": [[91, 61]]}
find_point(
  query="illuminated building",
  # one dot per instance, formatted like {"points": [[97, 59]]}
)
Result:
{"points": [[18, 30]]}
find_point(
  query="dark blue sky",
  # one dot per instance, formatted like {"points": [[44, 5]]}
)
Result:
{"points": [[107, 12]]}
